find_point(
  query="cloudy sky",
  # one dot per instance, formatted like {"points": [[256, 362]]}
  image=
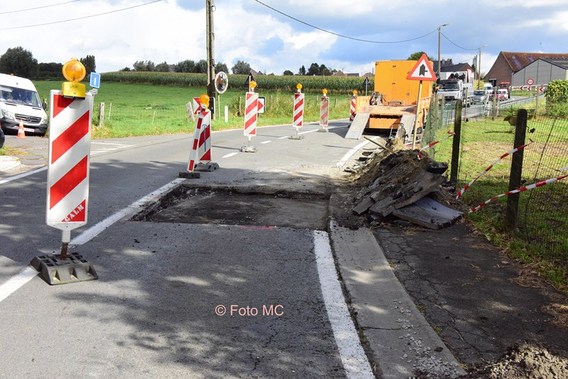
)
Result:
{"points": [[277, 35]]}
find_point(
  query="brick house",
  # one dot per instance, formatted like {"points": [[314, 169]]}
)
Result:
{"points": [[508, 63]]}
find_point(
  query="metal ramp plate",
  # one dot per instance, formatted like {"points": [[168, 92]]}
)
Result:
{"points": [[358, 126], [407, 122]]}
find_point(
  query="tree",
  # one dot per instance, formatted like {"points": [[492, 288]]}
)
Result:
{"points": [[324, 70], [144, 66], [221, 67], [163, 67], [416, 56], [185, 66], [19, 62], [201, 67], [241, 67], [50, 71], [89, 63], [288, 73], [313, 70], [302, 70]]}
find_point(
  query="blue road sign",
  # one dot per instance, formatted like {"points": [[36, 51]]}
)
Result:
{"points": [[95, 80]]}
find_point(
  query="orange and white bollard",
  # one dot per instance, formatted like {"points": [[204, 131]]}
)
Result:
{"points": [[324, 112]]}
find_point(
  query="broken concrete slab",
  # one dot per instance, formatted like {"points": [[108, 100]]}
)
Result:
{"points": [[429, 213]]}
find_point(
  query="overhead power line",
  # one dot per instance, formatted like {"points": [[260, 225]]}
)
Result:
{"points": [[456, 45], [337, 34], [80, 18], [40, 7]]}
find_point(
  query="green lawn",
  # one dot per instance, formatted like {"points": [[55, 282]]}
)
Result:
{"points": [[541, 239]]}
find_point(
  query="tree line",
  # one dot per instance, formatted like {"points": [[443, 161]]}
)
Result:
{"points": [[20, 62]]}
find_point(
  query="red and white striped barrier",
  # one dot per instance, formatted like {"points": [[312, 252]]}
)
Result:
{"points": [[324, 112], [201, 148], [298, 110], [353, 107], [461, 192], [68, 162], [251, 111], [518, 190]]}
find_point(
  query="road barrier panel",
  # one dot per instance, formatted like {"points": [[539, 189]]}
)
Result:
{"points": [[200, 154], [298, 112], [67, 184], [324, 113]]}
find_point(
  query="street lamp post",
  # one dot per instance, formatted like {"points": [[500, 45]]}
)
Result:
{"points": [[479, 67], [439, 32]]}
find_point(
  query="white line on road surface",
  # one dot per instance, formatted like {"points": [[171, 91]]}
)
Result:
{"points": [[350, 153], [23, 175], [351, 352], [265, 142], [229, 155], [98, 228], [15, 282]]}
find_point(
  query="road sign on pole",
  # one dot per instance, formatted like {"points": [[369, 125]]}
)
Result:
{"points": [[423, 70]]}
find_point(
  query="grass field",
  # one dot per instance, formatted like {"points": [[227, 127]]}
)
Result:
{"points": [[541, 240], [144, 109]]}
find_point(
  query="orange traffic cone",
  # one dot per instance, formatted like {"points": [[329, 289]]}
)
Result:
{"points": [[21, 131]]}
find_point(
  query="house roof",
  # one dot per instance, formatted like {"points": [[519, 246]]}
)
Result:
{"points": [[518, 61], [562, 63]]}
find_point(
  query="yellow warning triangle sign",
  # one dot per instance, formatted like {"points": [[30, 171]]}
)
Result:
{"points": [[423, 70]]}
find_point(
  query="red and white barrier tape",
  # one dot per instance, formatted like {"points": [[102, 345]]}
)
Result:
{"points": [[431, 144], [520, 189], [460, 193]]}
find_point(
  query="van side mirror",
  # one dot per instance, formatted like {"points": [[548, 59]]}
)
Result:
{"points": [[44, 104]]}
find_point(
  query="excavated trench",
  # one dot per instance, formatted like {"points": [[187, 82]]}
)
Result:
{"points": [[240, 206]]}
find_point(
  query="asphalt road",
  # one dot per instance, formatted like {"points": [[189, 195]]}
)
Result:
{"points": [[177, 299]]}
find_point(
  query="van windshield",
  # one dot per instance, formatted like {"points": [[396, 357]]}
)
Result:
{"points": [[19, 96], [450, 86]]}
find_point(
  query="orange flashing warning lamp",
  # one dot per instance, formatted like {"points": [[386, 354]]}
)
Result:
{"points": [[74, 72], [204, 100]]}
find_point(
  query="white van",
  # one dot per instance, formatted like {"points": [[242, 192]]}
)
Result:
{"points": [[20, 102], [488, 88]]}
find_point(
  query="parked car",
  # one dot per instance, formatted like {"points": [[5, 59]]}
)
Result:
{"points": [[2, 138], [502, 94], [479, 96]]}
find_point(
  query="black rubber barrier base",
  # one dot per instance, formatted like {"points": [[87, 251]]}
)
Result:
{"points": [[73, 269]]}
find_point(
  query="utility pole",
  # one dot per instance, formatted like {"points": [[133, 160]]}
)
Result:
{"points": [[210, 7], [439, 32]]}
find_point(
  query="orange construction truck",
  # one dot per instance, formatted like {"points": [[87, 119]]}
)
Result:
{"points": [[392, 106]]}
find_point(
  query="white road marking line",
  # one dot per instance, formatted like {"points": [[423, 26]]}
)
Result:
{"points": [[98, 228], [265, 142], [15, 282], [23, 175], [349, 154], [229, 155], [283, 137], [351, 352]]}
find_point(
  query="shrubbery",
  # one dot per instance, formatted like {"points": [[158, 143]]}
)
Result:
{"points": [[557, 98]]}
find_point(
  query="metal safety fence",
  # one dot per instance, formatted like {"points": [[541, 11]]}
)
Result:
{"points": [[485, 160]]}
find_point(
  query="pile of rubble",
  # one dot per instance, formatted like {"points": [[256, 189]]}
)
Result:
{"points": [[406, 187]]}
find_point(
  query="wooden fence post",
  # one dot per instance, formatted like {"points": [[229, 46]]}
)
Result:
{"points": [[101, 115], [456, 144], [511, 213]]}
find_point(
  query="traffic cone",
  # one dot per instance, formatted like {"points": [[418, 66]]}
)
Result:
{"points": [[21, 131]]}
